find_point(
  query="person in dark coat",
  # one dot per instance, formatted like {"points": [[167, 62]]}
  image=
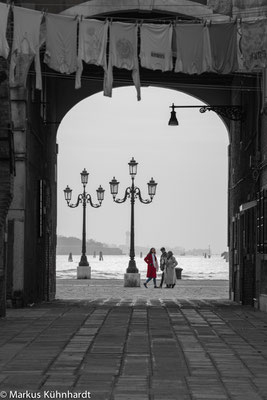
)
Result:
{"points": [[152, 267], [162, 264]]}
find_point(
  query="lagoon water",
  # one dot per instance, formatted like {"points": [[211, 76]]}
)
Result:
{"points": [[114, 267]]}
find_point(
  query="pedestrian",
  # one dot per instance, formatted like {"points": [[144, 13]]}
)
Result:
{"points": [[101, 256], [152, 267], [162, 264], [169, 275]]}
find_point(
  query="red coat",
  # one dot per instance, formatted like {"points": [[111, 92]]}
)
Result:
{"points": [[151, 270]]}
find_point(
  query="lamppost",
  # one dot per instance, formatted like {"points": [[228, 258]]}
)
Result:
{"points": [[232, 112], [132, 278], [84, 270]]}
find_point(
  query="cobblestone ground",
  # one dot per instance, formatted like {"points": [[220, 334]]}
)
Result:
{"points": [[117, 349]]}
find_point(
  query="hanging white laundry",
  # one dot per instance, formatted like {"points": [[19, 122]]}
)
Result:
{"points": [[193, 49], [156, 46], [253, 44], [122, 54], [4, 47], [92, 46], [26, 40], [61, 43], [240, 57]]}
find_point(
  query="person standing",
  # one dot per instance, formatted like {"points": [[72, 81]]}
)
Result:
{"points": [[152, 267], [162, 264], [169, 275]]}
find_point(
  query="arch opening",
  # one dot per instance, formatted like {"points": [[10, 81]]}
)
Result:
{"points": [[189, 163]]}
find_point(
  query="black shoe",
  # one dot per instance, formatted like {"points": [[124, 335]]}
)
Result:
{"points": [[145, 285], [156, 287]]}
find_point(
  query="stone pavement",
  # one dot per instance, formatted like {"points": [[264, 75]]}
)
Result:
{"points": [[114, 349], [105, 288]]}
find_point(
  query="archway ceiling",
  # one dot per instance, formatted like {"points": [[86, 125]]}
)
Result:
{"points": [[214, 10], [183, 8]]}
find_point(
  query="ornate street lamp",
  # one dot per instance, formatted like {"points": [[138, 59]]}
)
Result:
{"points": [[233, 113], [132, 192], [84, 198]]}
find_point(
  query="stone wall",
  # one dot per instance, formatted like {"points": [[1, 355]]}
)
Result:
{"points": [[6, 175], [243, 187]]}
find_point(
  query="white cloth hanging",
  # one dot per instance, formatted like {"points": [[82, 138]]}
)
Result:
{"points": [[156, 46], [26, 40], [122, 54], [253, 44], [4, 47], [61, 43], [92, 46]]}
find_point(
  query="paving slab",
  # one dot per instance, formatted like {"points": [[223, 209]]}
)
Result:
{"points": [[110, 349]]}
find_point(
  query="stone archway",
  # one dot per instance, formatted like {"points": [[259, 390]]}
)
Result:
{"points": [[36, 116]]}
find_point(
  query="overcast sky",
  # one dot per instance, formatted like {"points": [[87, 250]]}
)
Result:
{"points": [[189, 163]]}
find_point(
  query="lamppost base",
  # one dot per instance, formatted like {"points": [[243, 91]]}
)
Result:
{"points": [[83, 261], [132, 268], [83, 272], [132, 279]]}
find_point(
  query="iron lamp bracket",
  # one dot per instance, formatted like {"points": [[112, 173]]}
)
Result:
{"points": [[234, 113]]}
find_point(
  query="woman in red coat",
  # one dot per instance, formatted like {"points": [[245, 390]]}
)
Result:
{"points": [[152, 267]]}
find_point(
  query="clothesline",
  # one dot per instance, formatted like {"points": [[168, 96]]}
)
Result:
{"points": [[170, 83]]}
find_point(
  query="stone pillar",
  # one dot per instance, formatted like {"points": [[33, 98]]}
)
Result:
{"points": [[18, 104], [6, 176], [132, 279], [17, 208], [83, 272], [2, 272]]}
